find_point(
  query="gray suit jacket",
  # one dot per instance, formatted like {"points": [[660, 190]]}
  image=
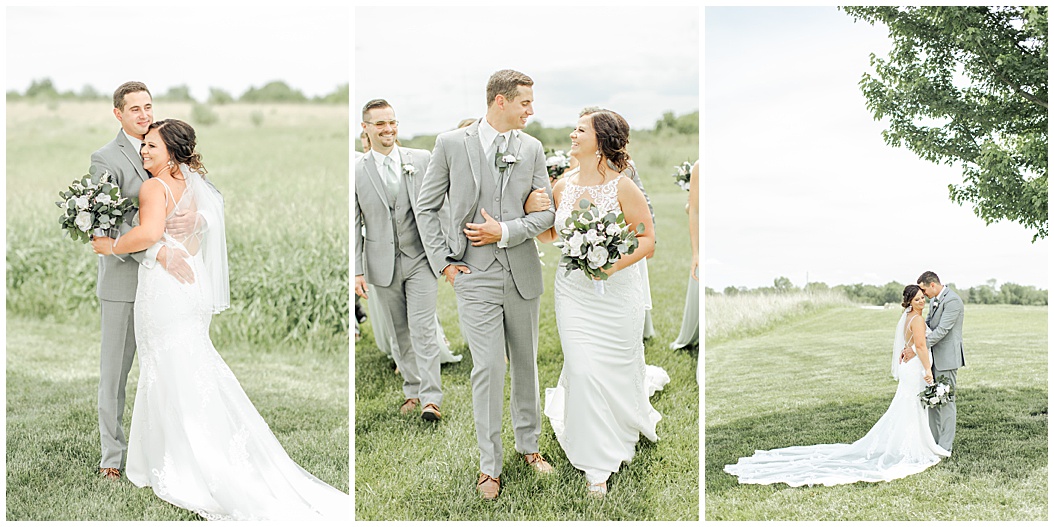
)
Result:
{"points": [[375, 250], [945, 340], [454, 172], [118, 280]]}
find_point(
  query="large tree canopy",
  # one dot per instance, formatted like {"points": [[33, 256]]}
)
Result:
{"points": [[968, 86]]}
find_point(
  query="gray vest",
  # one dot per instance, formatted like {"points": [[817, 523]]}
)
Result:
{"points": [[490, 199], [404, 224]]}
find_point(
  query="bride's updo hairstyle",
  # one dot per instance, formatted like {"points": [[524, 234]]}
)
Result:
{"points": [[612, 137], [909, 294], [180, 142]]}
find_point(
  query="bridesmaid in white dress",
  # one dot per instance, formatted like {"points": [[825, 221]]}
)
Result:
{"points": [[600, 407], [899, 444]]}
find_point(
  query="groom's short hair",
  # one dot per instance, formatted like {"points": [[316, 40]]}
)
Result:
{"points": [[506, 83], [929, 277], [125, 89], [375, 103]]}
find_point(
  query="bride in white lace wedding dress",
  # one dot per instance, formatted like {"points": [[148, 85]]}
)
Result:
{"points": [[600, 407], [196, 438], [899, 444]]}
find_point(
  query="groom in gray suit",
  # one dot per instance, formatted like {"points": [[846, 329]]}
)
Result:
{"points": [[392, 258], [486, 171], [120, 158], [945, 341]]}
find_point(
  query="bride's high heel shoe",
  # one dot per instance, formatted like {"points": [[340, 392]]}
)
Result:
{"points": [[597, 490]]}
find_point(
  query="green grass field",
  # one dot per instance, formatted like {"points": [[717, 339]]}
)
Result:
{"points": [[823, 377], [284, 178], [406, 469]]}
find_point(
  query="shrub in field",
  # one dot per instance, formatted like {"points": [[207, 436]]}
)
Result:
{"points": [[203, 115]]}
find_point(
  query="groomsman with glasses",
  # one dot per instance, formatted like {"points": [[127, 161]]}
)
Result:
{"points": [[390, 258]]}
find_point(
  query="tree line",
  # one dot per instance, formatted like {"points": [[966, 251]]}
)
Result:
{"points": [[272, 92], [892, 292], [669, 124]]}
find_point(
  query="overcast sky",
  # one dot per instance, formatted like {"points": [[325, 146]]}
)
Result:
{"points": [[432, 63], [232, 48], [798, 181]]}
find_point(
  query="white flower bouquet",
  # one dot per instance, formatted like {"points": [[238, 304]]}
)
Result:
{"points": [[556, 162], [592, 241], [938, 394], [94, 209], [683, 175]]}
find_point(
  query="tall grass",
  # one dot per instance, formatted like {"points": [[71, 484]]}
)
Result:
{"points": [[406, 469], [729, 316], [285, 185], [285, 190]]}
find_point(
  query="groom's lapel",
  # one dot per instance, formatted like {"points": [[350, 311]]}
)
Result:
{"points": [[130, 152], [475, 152], [514, 149]]}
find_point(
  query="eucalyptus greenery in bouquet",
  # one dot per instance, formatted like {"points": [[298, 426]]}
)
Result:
{"points": [[94, 209], [591, 241], [938, 394], [683, 175]]}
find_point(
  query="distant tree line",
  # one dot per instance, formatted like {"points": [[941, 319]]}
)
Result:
{"points": [[891, 293], [272, 92], [669, 124]]}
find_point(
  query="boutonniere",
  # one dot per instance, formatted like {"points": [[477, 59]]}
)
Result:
{"points": [[408, 169], [505, 161]]}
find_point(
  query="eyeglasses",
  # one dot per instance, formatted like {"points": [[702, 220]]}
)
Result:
{"points": [[380, 124]]}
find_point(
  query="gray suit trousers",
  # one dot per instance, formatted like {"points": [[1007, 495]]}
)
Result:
{"points": [[411, 303], [495, 318], [942, 418], [115, 361]]}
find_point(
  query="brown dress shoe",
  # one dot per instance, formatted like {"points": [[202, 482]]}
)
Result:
{"points": [[488, 487], [431, 413], [408, 406], [110, 473], [538, 463]]}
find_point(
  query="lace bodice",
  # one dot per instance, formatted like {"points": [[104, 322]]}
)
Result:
{"points": [[604, 196]]}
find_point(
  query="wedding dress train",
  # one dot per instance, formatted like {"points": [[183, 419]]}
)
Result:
{"points": [[195, 437], [899, 444]]}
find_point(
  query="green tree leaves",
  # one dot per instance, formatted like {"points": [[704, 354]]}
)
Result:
{"points": [[967, 86]]}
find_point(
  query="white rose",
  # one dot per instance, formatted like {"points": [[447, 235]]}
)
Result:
{"points": [[81, 202], [597, 257], [103, 198], [935, 400], [509, 158], [83, 221], [574, 245], [613, 230], [593, 238]]}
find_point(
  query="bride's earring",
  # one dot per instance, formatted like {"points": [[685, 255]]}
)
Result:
{"points": [[598, 154]]}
